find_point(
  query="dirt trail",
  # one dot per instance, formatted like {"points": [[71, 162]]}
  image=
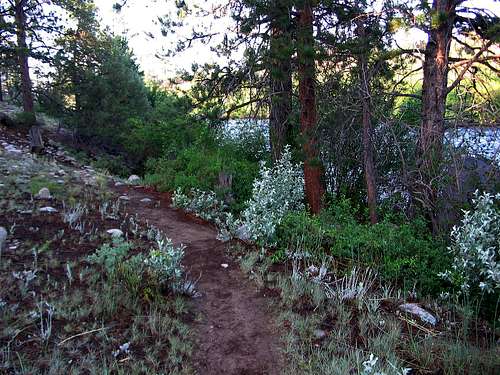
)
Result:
{"points": [[235, 334]]}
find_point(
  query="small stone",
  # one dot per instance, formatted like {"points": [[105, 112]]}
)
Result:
{"points": [[242, 233], [422, 314], [48, 209], [146, 200], [134, 179], [26, 212], [319, 334], [224, 265], [3, 237], [118, 183], [44, 193], [115, 232], [124, 198]]}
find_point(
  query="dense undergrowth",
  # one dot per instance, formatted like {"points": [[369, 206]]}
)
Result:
{"points": [[345, 280]]}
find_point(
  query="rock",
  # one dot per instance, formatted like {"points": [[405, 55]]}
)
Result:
{"points": [[118, 183], [422, 314], [3, 237], [123, 198], [319, 334], [146, 200], [48, 209], [242, 233], [44, 193], [224, 265], [115, 232], [134, 179], [13, 152]]}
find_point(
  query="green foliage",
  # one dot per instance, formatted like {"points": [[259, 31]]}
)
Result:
{"points": [[37, 183], [115, 165], [167, 128], [111, 256], [299, 231], [198, 167], [402, 253], [24, 119]]}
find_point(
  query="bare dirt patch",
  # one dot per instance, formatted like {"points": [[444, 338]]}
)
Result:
{"points": [[235, 333]]}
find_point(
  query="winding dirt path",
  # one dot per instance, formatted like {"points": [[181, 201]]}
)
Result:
{"points": [[235, 334]]}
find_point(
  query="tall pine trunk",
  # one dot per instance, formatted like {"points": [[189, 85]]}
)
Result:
{"points": [[313, 170], [26, 88], [1, 88], [280, 79], [434, 92], [365, 97]]}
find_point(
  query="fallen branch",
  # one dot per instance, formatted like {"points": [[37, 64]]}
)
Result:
{"points": [[81, 334]]}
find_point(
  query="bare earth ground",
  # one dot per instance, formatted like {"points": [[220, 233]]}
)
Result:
{"points": [[235, 334]]}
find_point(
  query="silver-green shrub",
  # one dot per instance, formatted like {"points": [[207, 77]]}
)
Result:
{"points": [[278, 191], [475, 247]]}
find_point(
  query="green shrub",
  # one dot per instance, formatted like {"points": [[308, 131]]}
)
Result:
{"points": [[111, 256], [24, 119], [198, 167], [297, 232], [404, 253], [115, 165]]}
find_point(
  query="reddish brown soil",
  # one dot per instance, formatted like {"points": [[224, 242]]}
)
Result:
{"points": [[235, 334]]}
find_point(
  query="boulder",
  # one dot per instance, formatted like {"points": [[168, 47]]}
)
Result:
{"points": [[44, 193], [134, 179], [419, 312], [146, 200], [3, 237]]}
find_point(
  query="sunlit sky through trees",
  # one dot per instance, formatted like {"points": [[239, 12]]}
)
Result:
{"points": [[139, 22]]}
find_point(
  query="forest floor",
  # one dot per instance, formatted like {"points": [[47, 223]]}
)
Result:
{"points": [[234, 330], [226, 329]]}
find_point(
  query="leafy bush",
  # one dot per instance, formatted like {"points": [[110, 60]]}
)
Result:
{"points": [[165, 263], [278, 191], [115, 165], [403, 253], [160, 269], [299, 232], [203, 204], [199, 166], [475, 248], [110, 256]]}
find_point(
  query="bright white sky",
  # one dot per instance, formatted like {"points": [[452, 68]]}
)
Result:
{"points": [[140, 17]]}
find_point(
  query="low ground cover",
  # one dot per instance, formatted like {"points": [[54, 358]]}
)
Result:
{"points": [[78, 300]]}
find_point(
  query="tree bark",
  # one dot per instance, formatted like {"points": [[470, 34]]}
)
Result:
{"points": [[434, 92], [313, 170], [365, 97], [1, 88], [36, 141], [280, 79]]}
